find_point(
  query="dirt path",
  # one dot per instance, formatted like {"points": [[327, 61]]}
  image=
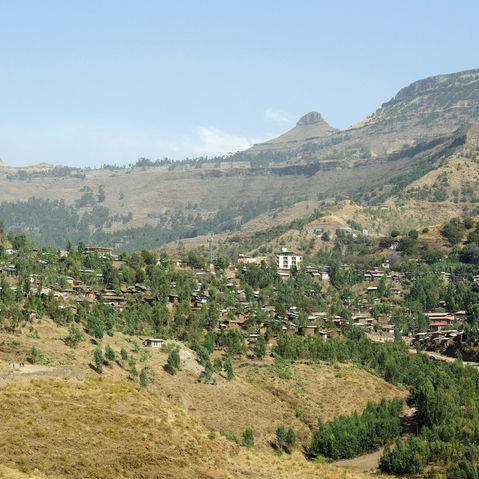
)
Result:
{"points": [[365, 463], [26, 373], [443, 357]]}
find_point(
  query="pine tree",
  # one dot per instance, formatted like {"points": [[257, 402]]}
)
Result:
{"points": [[173, 361]]}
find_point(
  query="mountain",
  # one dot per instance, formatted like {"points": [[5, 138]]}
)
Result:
{"points": [[311, 126], [393, 159], [426, 109]]}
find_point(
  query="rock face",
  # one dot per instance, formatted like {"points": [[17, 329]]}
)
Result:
{"points": [[431, 107], [426, 109], [310, 127], [311, 118]]}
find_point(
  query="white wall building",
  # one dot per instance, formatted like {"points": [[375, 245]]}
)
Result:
{"points": [[286, 259]]}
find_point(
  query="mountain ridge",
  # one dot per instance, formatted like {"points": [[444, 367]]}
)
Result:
{"points": [[425, 127]]}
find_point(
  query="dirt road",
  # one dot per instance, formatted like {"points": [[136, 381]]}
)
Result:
{"points": [[365, 463]]}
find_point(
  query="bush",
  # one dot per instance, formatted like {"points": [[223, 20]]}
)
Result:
{"points": [[143, 378], [74, 336], [109, 353], [248, 437], [290, 440], [34, 354], [280, 435], [229, 436]]}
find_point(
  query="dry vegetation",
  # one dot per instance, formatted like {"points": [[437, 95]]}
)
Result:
{"points": [[104, 429], [64, 420]]}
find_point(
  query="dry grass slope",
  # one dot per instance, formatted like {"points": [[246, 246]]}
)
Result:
{"points": [[105, 429]]}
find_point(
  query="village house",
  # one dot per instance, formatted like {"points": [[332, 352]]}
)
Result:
{"points": [[446, 318], [102, 251], [153, 342]]}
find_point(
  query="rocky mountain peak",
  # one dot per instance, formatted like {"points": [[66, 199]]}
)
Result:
{"points": [[311, 118]]}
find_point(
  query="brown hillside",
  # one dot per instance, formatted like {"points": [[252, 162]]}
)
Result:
{"points": [[262, 395], [103, 429]]}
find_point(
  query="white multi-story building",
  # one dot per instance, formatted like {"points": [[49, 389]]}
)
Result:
{"points": [[286, 259]]}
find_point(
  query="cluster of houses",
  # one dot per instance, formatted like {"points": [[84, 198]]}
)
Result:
{"points": [[318, 323]]}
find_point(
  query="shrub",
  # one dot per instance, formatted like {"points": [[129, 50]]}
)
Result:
{"points": [[143, 378], [109, 353], [248, 437], [280, 435], [74, 336], [290, 440]]}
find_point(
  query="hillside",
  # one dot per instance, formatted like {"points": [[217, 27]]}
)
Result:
{"points": [[258, 370], [93, 428], [390, 160], [263, 394]]}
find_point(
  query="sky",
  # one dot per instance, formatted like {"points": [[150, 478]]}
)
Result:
{"points": [[93, 82]]}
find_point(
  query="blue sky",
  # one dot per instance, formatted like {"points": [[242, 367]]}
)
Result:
{"points": [[97, 81]]}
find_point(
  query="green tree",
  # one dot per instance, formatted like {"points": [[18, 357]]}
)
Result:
{"points": [[221, 263], [98, 358], [453, 231], [260, 347], [217, 364], [229, 369], [173, 361], [34, 354], [123, 354], [109, 353], [290, 440], [95, 326], [280, 436], [74, 336]]}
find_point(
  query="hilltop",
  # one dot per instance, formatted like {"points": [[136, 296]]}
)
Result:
{"points": [[309, 127]]}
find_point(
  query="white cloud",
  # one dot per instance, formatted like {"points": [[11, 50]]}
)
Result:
{"points": [[213, 141], [94, 145], [277, 116]]}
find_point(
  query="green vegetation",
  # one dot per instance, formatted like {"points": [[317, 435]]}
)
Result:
{"points": [[358, 434], [98, 358], [248, 437], [173, 362]]}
